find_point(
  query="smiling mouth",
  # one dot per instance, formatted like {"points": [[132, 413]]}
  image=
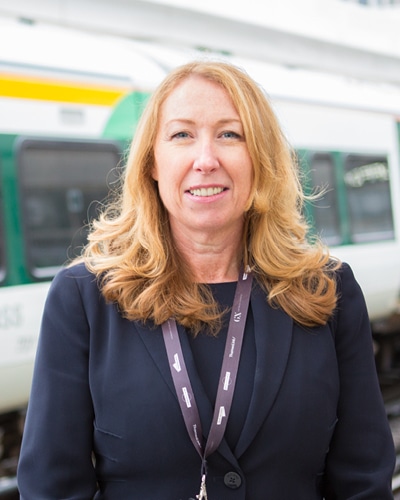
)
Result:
{"points": [[206, 191]]}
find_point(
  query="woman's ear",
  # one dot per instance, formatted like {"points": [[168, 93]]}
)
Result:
{"points": [[154, 172]]}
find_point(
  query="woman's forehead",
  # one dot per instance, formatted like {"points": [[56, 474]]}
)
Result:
{"points": [[197, 94]]}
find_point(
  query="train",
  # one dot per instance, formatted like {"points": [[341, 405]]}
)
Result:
{"points": [[69, 104]]}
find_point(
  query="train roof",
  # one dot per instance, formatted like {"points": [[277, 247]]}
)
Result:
{"points": [[139, 64]]}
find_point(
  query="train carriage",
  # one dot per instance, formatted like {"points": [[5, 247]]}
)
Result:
{"points": [[69, 102]]}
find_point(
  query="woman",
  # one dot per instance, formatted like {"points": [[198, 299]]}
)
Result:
{"points": [[202, 348]]}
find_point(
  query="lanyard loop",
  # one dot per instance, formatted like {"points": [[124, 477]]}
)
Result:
{"points": [[228, 374]]}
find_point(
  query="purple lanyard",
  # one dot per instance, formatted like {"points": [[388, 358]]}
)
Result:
{"points": [[228, 375]]}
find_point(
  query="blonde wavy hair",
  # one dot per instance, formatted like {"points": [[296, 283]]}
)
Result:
{"points": [[130, 246]]}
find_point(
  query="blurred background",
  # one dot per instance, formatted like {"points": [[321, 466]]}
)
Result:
{"points": [[74, 76]]}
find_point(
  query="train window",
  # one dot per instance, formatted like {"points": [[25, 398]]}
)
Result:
{"points": [[366, 179], [325, 209], [62, 184]]}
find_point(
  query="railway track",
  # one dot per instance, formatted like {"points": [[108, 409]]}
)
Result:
{"points": [[396, 476], [396, 488], [8, 488], [391, 396]]}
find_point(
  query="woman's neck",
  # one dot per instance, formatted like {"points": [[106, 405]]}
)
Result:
{"points": [[212, 258], [215, 268]]}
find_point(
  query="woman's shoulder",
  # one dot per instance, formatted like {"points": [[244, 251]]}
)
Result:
{"points": [[77, 276], [75, 288], [351, 308], [346, 279], [76, 270]]}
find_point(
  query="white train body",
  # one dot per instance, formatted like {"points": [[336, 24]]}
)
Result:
{"points": [[318, 112]]}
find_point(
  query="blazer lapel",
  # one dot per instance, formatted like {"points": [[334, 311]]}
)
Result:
{"points": [[153, 340], [273, 335]]}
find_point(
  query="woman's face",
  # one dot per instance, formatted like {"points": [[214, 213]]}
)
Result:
{"points": [[202, 164]]}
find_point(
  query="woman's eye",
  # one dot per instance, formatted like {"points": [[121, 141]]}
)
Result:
{"points": [[180, 135], [231, 135]]}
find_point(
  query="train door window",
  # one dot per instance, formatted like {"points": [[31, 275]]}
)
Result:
{"points": [[368, 197], [62, 184], [2, 235], [325, 209]]}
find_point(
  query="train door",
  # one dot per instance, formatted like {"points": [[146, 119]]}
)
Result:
{"points": [[2, 239], [50, 191]]}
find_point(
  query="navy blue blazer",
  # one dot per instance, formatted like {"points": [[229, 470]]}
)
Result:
{"points": [[104, 422]]}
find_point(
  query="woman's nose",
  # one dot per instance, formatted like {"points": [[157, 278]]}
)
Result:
{"points": [[206, 159]]}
